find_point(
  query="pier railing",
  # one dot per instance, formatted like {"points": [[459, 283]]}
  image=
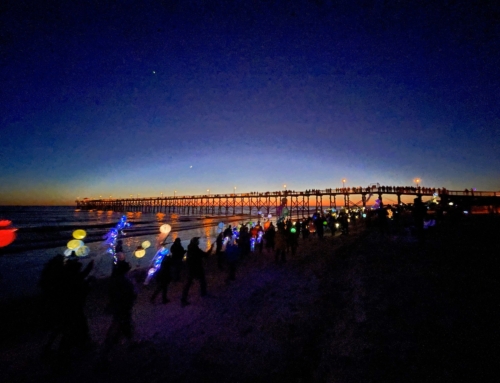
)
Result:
{"points": [[299, 203]]}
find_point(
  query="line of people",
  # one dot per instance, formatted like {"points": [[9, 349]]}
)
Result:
{"points": [[65, 284]]}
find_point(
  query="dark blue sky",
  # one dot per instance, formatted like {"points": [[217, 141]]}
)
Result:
{"points": [[145, 98]]}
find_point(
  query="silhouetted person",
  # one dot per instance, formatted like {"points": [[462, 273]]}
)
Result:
{"points": [[51, 284], [305, 229], [419, 211], [75, 329], [280, 244], [382, 218], [232, 257], [318, 224], [244, 241], [228, 232], [344, 223], [163, 279], [269, 236], [292, 240], [177, 251], [122, 295], [219, 242], [195, 268]]}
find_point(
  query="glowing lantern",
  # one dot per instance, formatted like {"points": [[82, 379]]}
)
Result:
{"points": [[82, 251], [325, 223], [269, 216], [75, 244], [140, 252], [165, 229], [146, 244], [79, 234], [293, 230], [7, 234], [68, 252]]}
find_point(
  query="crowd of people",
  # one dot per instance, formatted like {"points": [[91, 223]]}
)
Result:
{"points": [[65, 283]]}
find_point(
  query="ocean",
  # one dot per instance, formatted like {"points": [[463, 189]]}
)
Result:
{"points": [[44, 231]]}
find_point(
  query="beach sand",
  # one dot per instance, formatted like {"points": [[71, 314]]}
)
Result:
{"points": [[363, 307]]}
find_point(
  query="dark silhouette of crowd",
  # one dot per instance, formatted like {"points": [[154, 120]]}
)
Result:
{"points": [[64, 282]]}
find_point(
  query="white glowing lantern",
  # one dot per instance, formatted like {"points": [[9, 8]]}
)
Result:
{"points": [[146, 244], [82, 251], [68, 252], [165, 229]]}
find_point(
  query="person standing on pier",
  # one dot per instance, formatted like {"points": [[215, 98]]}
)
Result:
{"points": [[195, 268]]}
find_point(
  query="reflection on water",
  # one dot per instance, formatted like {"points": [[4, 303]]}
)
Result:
{"points": [[44, 233]]}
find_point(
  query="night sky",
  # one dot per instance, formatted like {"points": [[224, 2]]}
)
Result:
{"points": [[113, 98]]}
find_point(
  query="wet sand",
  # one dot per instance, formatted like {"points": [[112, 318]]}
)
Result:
{"points": [[363, 307]]}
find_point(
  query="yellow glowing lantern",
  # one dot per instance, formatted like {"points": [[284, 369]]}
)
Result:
{"points": [[140, 252], [74, 244], [146, 244], [79, 234]]}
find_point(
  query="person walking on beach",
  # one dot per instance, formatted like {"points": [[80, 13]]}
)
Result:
{"points": [[122, 295], [177, 251], [318, 224], [244, 241], [75, 287], [195, 268], [292, 240], [218, 251], [228, 232], [280, 244], [51, 285], [163, 279], [269, 236], [232, 257]]}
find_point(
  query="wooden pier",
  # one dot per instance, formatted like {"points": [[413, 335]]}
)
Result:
{"points": [[299, 204]]}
